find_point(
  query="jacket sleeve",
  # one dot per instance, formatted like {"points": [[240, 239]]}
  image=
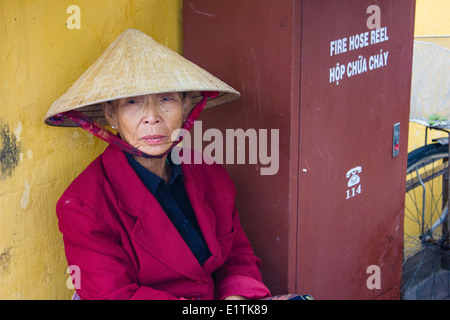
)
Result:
{"points": [[240, 274], [106, 270]]}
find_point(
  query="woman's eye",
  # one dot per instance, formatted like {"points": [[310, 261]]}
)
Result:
{"points": [[166, 99], [134, 101]]}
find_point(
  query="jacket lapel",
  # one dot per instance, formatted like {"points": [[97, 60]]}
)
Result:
{"points": [[158, 236], [193, 182]]}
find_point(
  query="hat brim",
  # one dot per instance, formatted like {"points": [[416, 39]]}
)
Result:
{"points": [[95, 110], [133, 65]]}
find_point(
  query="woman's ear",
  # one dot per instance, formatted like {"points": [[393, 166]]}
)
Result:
{"points": [[108, 111]]}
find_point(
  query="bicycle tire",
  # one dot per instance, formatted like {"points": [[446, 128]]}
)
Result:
{"points": [[425, 152], [426, 258]]}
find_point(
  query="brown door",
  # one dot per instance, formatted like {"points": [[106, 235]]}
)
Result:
{"points": [[333, 78]]}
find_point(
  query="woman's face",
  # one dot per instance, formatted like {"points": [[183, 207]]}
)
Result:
{"points": [[147, 122]]}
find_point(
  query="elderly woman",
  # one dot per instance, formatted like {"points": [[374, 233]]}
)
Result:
{"points": [[138, 225]]}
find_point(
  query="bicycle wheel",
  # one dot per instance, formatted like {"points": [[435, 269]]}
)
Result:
{"points": [[425, 269]]}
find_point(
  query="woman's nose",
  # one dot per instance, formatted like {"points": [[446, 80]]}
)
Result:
{"points": [[151, 112]]}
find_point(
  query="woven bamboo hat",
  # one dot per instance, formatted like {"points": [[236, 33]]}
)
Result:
{"points": [[135, 64]]}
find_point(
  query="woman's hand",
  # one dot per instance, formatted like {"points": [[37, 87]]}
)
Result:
{"points": [[234, 297]]}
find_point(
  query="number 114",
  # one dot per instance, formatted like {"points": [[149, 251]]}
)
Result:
{"points": [[353, 192]]}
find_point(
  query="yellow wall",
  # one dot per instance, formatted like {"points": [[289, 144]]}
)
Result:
{"points": [[432, 24], [39, 60], [432, 18]]}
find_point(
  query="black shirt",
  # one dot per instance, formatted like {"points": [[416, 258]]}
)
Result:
{"points": [[174, 200]]}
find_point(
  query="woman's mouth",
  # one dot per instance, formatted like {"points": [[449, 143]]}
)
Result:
{"points": [[154, 139]]}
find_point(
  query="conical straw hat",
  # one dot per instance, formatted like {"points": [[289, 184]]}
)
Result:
{"points": [[135, 64]]}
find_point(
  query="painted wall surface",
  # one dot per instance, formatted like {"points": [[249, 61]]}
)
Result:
{"points": [[432, 18], [431, 25], [40, 58]]}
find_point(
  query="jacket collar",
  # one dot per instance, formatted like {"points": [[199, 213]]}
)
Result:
{"points": [[151, 180], [128, 188]]}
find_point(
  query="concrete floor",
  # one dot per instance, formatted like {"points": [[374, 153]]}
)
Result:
{"points": [[435, 287]]}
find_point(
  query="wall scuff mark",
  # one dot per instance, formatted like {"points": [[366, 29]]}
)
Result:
{"points": [[5, 257], [9, 151], [25, 196]]}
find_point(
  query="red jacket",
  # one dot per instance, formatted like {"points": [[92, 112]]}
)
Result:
{"points": [[127, 248]]}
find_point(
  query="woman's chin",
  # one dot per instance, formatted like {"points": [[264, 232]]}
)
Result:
{"points": [[155, 150]]}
